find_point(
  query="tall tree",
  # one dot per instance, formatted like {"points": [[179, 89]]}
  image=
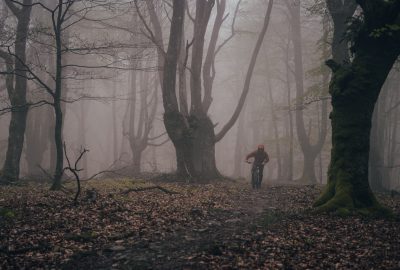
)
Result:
{"points": [[355, 87], [16, 83], [310, 151], [140, 115], [193, 136]]}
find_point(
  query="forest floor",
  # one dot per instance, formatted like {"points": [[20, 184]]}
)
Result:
{"points": [[123, 225]]}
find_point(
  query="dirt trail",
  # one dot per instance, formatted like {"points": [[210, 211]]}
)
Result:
{"points": [[266, 229], [216, 229]]}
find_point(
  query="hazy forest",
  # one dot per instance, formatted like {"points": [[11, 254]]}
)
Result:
{"points": [[199, 134]]}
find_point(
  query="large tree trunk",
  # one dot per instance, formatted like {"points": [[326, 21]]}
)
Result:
{"points": [[194, 145], [354, 93], [17, 95], [203, 148], [355, 88], [193, 137], [15, 144]]}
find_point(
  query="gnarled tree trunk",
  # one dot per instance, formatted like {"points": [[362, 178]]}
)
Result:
{"points": [[355, 89], [193, 136]]}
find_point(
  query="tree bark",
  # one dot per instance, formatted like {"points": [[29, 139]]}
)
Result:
{"points": [[193, 136], [355, 90], [310, 151], [58, 134], [276, 132], [17, 95]]}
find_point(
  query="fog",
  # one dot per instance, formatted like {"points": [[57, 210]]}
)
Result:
{"points": [[112, 78]]}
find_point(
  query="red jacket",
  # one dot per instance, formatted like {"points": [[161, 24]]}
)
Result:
{"points": [[260, 157]]}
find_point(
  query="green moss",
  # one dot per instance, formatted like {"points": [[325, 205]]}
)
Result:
{"points": [[343, 212], [342, 198], [7, 213], [377, 211], [326, 195]]}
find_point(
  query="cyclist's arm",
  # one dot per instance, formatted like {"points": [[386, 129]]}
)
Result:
{"points": [[251, 155], [266, 160]]}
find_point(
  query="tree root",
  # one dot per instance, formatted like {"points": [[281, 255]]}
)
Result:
{"points": [[337, 198]]}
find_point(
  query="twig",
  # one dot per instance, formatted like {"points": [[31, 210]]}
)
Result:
{"points": [[107, 171], [74, 170]]}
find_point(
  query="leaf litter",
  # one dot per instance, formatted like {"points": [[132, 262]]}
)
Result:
{"points": [[214, 226]]}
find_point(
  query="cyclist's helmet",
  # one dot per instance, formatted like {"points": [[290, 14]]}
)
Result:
{"points": [[260, 146]]}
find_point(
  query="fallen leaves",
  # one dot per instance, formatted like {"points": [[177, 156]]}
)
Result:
{"points": [[217, 226]]}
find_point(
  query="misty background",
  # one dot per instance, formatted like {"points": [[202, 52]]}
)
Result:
{"points": [[106, 88]]}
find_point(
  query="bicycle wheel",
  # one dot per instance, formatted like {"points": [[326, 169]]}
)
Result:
{"points": [[253, 179]]}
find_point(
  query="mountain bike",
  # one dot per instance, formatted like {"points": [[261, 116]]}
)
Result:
{"points": [[255, 176]]}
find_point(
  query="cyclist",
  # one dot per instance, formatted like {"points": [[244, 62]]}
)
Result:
{"points": [[260, 159]]}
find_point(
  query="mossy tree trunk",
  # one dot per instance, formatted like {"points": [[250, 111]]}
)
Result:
{"points": [[355, 89]]}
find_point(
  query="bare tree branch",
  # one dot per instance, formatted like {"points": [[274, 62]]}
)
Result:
{"points": [[249, 74]]}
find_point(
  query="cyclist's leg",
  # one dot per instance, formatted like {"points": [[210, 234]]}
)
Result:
{"points": [[261, 175], [253, 177]]}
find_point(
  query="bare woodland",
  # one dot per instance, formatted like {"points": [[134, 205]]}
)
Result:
{"points": [[181, 91]]}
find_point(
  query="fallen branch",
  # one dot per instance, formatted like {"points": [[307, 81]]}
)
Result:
{"points": [[170, 192]]}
